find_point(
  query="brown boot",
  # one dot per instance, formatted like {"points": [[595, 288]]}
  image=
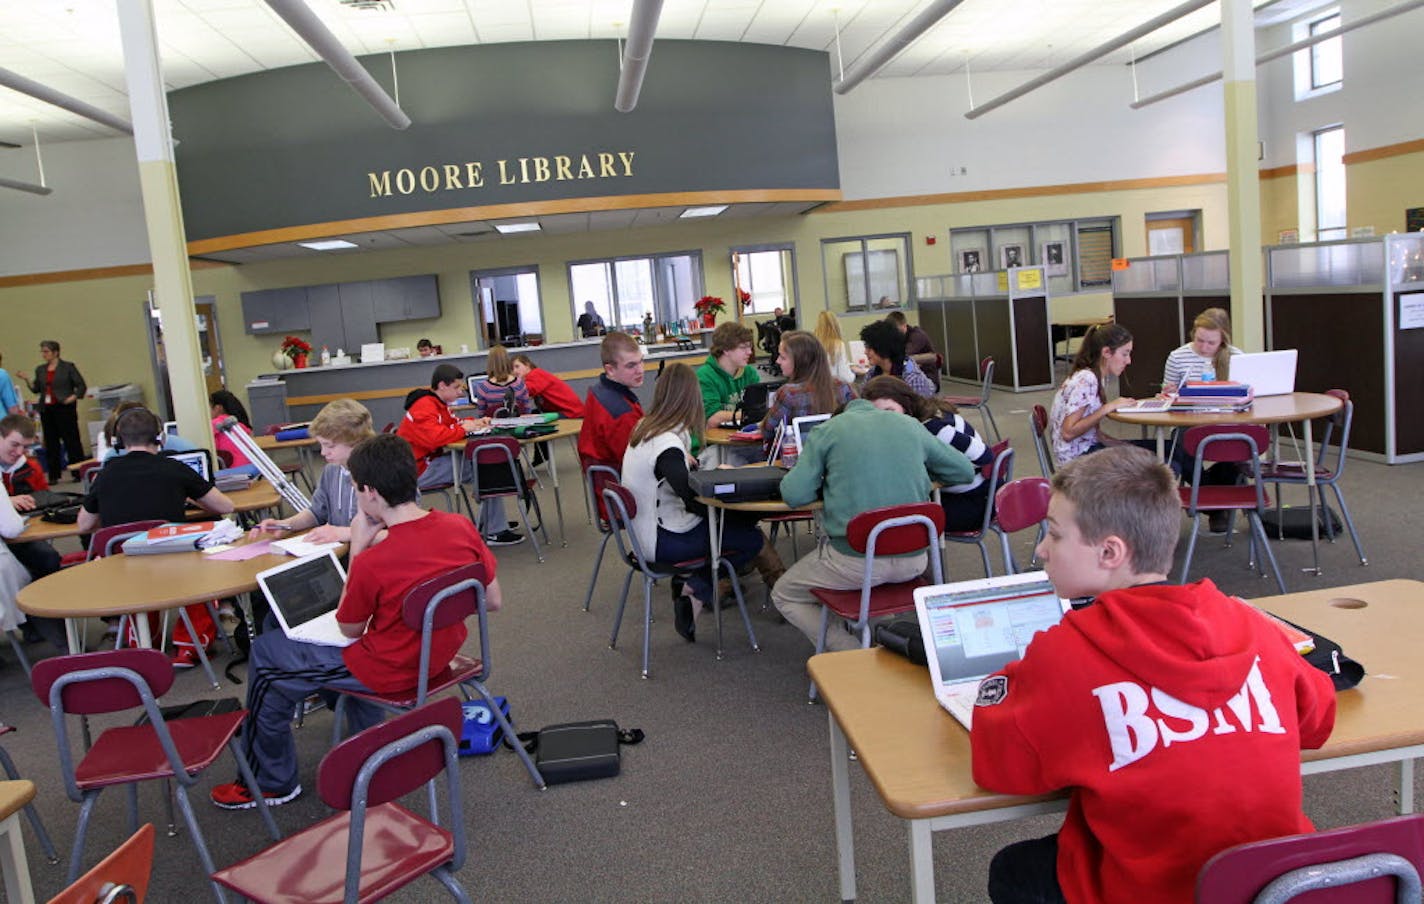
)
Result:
{"points": [[768, 564]]}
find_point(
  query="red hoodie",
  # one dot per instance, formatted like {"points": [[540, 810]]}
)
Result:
{"points": [[1176, 716], [552, 393], [429, 426]]}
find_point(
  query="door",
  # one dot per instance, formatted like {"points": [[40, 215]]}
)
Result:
{"points": [[1174, 236]]}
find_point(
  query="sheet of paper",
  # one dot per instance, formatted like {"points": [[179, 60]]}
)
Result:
{"points": [[296, 546], [242, 553]]}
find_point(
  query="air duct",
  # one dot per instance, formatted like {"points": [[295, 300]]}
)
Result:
{"points": [[642, 25], [892, 47], [307, 26], [26, 186], [50, 96]]}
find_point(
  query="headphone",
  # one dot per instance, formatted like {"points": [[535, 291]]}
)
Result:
{"points": [[119, 437]]}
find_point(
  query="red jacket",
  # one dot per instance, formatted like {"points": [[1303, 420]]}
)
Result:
{"points": [[610, 413], [1175, 715], [429, 427], [553, 394], [25, 479]]}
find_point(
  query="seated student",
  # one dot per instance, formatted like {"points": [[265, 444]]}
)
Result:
{"points": [[549, 392], [172, 442], [612, 409], [1081, 402], [426, 349], [224, 405], [1209, 350], [917, 344], [861, 459], [429, 427], [885, 350], [338, 428], [9, 395], [671, 525], [1174, 715], [963, 503], [395, 545], [828, 331], [501, 393], [14, 576], [726, 372], [23, 476], [810, 388], [143, 485]]}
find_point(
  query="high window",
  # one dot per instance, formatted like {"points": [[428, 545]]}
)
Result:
{"points": [[1327, 65], [1330, 183]]}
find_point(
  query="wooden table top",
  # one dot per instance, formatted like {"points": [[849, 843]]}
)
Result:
{"points": [[917, 756], [267, 442], [261, 495], [564, 426], [721, 436], [1278, 409], [14, 795]]}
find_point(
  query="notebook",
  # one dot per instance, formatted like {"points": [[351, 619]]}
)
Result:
{"points": [[303, 595], [1267, 373], [801, 427], [974, 628]]}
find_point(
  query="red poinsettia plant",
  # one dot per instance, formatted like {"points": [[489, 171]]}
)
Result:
{"points": [[710, 304], [295, 347], [744, 297]]}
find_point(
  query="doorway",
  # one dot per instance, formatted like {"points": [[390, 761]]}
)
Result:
{"points": [[209, 346], [507, 306]]}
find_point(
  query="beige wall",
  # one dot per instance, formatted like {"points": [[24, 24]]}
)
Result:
{"points": [[1377, 192]]}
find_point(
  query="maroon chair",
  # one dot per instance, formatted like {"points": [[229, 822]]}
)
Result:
{"points": [[389, 428], [980, 401], [439, 602], [374, 846], [493, 452], [997, 473], [288, 466], [1240, 444], [1038, 425], [1019, 505], [224, 458], [889, 531], [596, 476], [1374, 863], [117, 680]]}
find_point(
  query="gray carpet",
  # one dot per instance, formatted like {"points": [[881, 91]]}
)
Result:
{"points": [[728, 799]]}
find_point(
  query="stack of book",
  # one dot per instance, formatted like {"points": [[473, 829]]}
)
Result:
{"points": [[1214, 395]]}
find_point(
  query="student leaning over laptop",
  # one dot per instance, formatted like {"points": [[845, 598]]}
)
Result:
{"points": [[810, 388], [395, 544], [1174, 715], [863, 458], [338, 428]]}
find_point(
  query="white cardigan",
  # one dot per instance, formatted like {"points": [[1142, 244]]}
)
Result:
{"points": [[658, 505], [13, 575]]}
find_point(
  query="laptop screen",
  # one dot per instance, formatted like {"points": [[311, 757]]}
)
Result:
{"points": [[197, 460], [470, 383], [305, 589], [979, 627], [802, 426]]}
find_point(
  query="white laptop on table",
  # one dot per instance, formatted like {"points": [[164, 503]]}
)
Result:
{"points": [[303, 595], [801, 428], [974, 628], [1267, 373]]}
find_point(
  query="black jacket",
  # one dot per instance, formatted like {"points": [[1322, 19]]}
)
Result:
{"points": [[67, 381]]}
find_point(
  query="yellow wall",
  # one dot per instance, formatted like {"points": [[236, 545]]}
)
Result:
{"points": [[1280, 209], [1377, 192]]}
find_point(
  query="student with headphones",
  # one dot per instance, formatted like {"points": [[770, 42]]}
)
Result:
{"points": [[171, 442]]}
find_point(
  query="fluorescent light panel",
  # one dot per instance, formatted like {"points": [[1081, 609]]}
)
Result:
{"points": [[328, 245], [712, 211], [509, 228]]}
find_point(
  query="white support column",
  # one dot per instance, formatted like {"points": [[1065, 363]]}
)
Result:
{"points": [[163, 214], [1243, 181]]}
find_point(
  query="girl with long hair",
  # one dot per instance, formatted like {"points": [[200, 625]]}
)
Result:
{"points": [[1081, 402], [1210, 349], [223, 406], [501, 393], [828, 332], [810, 387], [670, 524]]}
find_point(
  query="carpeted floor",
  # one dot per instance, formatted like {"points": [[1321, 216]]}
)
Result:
{"points": [[728, 799]]}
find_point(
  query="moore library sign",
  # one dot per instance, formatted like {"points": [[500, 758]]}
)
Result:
{"points": [[520, 171]]}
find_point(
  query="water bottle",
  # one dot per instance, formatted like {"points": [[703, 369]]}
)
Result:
{"points": [[1208, 373], [788, 454]]}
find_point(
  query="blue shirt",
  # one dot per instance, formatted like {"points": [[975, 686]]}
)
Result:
{"points": [[9, 398]]}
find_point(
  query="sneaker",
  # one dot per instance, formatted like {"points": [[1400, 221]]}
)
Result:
{"points": [[235, 796], [184, 658], [504, 538]]}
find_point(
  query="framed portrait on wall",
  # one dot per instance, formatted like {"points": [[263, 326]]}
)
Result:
{"points": [[1054, 259], [1011, 256], [971, 260]]}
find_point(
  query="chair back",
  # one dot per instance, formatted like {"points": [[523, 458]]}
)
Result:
{"points": [[121, 876], [389, 428], [1038, 422], [1339, 423], [106, 540], [224, 458], [455, 595], [88, 473], [103, 682], [895, 529], [986, 370], [273, 429], [622, 508], [595, 478], [1022, 503], [492, 450], [1230, 443], [1264, 870], [398, 772]]}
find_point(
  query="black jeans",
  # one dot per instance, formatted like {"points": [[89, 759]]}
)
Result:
{"points": [[40, 559], [60, 423], [1026, 873]]}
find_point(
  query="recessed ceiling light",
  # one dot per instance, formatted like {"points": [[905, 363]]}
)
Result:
{"points": [[328, 245], [507, 228], [712, 211]]}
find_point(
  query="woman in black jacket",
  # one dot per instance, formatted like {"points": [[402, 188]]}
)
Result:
{"points": [[59, 386]]}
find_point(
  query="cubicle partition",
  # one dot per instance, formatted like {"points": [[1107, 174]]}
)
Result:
{"points": [[972, 316], [1157, 298]]}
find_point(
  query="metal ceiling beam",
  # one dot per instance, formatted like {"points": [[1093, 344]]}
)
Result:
{"points": [[1084, 59], [1279, 52], [894, 45], [26, 186], [78, 107], [311, 29], [642, 25]]}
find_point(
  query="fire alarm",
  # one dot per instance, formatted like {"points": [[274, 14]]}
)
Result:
{"points": [[930, 240]]}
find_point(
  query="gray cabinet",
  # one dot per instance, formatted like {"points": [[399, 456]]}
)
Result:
{"points": [[405, 298], [358, 314], [324, 308], [275, 311], [341, 315]]}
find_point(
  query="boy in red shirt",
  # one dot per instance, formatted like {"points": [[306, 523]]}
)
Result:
{"points": [[1175, 715], [395, 544], [612, 409]]}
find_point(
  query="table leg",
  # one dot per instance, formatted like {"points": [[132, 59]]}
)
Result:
{"points": [[71, 634], [558, 500], [715, 518], [840, 800], [1310, 491], [1161, 443], [13, 863], [921, 862], [145, 636], [1406, 787]]}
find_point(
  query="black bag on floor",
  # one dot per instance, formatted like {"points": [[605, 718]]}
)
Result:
{"points": [[1294, 523], [576, 751]]}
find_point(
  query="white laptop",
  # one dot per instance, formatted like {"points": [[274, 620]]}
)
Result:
{"points": [[801, 427], [303, 595], [1267, 373], [197, 459], [471, 382], [974, 628]]}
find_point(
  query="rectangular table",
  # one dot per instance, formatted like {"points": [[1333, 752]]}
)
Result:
{"points": [[918, 758]]}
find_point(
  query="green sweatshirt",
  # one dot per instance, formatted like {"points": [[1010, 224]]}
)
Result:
{"points": [[720, 390], [865, 458]]}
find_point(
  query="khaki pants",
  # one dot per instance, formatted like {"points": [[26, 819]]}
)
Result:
{"points": [[829, 569]]}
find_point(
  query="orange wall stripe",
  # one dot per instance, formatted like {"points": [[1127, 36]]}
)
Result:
{"points": [[60, 276], [1032, 191], [1388, 150]]}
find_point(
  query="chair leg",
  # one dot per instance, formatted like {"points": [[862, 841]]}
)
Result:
{"points": [[523, 509], [131, 795], [204, 856], [597, 565], [1349, 523], [989, 419], [446, 878], [618, 616], [1010, 567], [213, 613], [647, 620], [81, 829], [1259, 529], [984, 556], [1191, 547], [201, 649], [19, 652], [820, 648], [338, 714], [508, 729]]}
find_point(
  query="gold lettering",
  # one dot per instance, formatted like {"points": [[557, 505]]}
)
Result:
{"points": [[523, 169], [627, 158], [380, 185], [541, 169], [474, 175], [561, 166], [452, 177], [405, 181], [504, 177], [433, 182], [585, 168], [605, 166]]}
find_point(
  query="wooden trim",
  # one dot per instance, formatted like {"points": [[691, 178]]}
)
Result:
{"points": [[59, 276], [1290, 169], [504, 211], [1388, 150], [1032, 191]]}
